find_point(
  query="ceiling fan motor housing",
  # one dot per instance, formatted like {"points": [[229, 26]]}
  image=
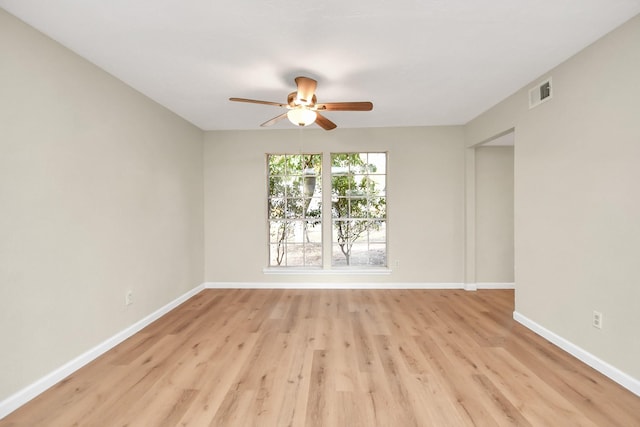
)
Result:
{"points": [[294, 101]]}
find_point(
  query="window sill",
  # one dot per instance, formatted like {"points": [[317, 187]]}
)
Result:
{"points": [[380, 271]]}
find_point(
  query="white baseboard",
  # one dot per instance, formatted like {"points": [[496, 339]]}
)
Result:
{"points": [[331, 285], [293, 271], [496, 285], [23, 396], [625, 380], [358, 285]]}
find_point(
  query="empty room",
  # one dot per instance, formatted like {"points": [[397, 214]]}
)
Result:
{"points": [[286, 213]]}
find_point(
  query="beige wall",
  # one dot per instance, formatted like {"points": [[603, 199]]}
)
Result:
{"points": [[577, 199], [494, 214], [100, 192], [425, 197]]}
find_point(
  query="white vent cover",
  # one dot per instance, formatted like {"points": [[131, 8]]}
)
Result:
{"points": [[540, 93]]}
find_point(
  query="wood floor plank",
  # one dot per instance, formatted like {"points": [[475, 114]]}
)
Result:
{"points": [[469, 402], [249, 357], [317, 413], [508, 412], [408, 408], [293, 409], [224, 366], [365, 351]]}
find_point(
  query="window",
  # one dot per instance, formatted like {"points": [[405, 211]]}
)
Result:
{"points": [[358, 209], [295, 210], [358, 214]]}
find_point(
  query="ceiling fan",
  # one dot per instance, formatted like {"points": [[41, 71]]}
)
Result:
{"points": [[303, 107]]}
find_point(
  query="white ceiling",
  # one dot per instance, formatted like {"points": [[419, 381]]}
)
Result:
{"points": [[421, 62]]}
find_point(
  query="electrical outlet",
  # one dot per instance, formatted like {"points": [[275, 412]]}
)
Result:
{"points": [[597, 319], [128, 298]]}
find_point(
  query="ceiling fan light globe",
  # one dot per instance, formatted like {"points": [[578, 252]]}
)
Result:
{"points": [[301, 116]]}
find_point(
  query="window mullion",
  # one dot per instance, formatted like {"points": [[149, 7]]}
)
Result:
{"points": [[327, 223]]}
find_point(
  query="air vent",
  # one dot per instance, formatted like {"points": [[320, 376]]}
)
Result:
{"points": [[540, 93]]}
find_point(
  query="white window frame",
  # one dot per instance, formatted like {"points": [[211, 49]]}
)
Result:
{"points": [[357, 177], [327, 232], [293, 222]]}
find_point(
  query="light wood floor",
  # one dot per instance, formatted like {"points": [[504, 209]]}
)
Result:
{"points": [[335, 358]]}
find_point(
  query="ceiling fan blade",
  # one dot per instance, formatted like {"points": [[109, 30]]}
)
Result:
{"points": [[345, 106], [274, 120], [306, 89], [324, 123], [255, 101]]}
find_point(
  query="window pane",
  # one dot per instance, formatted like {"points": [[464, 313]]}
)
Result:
{"points": [[313, 233], [308, 185], [378, 232], [294, 164], [295, 186], [340, 207], [378, 255], [378, 163], [359, 254], [295, 255], [340, 185], [341, 161], [276, 165], [313, 208], [341, 231], [276, 208], [360, 186], [358, 208], [313, 245], [276, 255], [338, 258], [276, 187], [377, 208], [295, 234], [295, 208], [277, 231], [380, 185], [346, 235]]}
